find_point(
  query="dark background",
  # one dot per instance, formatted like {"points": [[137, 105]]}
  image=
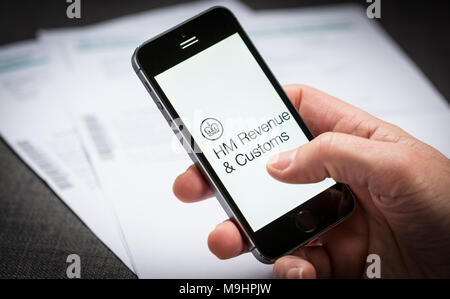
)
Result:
{"points": [[38, 232]]}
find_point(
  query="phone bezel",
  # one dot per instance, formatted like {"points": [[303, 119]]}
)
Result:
{"points": [[163, 52]]}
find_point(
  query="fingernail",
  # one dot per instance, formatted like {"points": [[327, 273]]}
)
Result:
{"points": [[281, 161], [295, 273]]}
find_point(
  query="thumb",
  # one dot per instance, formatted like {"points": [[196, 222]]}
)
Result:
{"points": [[346, 158]]}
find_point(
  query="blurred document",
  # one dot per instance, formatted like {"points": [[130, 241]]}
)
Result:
{"points": [[339, 50], [35, 124]]}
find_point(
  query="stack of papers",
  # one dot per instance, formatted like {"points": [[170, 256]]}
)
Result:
{"points": [[72, 107]]}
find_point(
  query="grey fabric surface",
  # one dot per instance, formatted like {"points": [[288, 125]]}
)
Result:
{"points": [[38, 232]]}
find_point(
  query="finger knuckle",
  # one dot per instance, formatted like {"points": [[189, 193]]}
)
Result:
{"points": [[325, 143], [404, 159], [406, 172]]}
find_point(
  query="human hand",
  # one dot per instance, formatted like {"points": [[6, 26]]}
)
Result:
{"points": [[402, 187]]}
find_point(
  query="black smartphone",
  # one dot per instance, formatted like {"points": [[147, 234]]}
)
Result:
{"points": [[231, 114]]}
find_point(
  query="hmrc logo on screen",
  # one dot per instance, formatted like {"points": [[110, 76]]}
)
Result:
{"points": [[211, 129]]}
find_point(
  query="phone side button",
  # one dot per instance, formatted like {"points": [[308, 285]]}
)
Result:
{"points": [[306, 221], [159, 105]]}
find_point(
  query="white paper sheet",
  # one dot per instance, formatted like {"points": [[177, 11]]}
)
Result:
{"points": [[35, 124]]}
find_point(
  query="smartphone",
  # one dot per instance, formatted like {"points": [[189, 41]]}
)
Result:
{"points": [[228, 110]]}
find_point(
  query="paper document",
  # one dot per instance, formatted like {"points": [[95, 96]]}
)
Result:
{"points": [[34, 122]]}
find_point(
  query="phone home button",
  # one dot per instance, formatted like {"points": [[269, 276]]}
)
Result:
{"points": [[306, 221]]}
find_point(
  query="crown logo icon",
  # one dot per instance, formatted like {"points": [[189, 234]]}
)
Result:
{"points": [[211, 129]]}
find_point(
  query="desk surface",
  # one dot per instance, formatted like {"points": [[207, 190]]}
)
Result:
{"points": [[38, 232]]}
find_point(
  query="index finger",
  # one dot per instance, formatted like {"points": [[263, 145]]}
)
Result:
{"points": [[322, 112], [325, 113]]}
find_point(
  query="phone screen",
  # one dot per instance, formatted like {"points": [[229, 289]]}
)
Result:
{"points": [[238, 121]]}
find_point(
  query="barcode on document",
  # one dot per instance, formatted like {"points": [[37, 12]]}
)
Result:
{"points": [[99, 137], [45, 164]]}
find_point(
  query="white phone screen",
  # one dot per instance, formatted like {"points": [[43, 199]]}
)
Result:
{"points": [[238, 121]]}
